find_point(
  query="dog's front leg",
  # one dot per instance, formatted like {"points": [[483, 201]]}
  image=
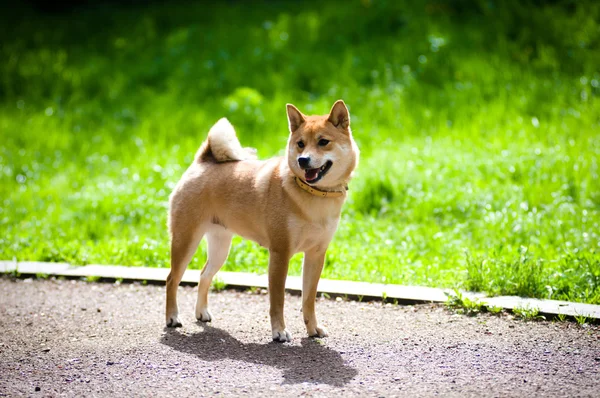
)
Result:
{"points": [[278, 269], [311, 272]]}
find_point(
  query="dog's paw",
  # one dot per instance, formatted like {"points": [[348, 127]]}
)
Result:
{"points": [[282, 336], [173, 322], [318, 331], [203, 315]]}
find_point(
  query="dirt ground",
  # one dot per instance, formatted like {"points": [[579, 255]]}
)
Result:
{"points": [[71, 338]]}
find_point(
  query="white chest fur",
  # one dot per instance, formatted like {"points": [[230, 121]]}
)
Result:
{"points": [[311, 235]]}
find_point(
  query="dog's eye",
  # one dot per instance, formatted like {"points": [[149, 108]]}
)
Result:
{"points": [[323, 142], [300, 144]]}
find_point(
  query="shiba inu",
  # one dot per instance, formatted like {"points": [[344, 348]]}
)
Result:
{"points": [[287, 204]]}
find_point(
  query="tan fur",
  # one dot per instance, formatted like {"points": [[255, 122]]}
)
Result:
{"points": [[227, 191]]}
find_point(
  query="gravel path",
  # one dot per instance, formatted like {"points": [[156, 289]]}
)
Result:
{"points": [[71, 338]]}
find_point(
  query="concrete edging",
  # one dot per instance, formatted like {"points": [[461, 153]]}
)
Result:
{"points": [[360, 290]]}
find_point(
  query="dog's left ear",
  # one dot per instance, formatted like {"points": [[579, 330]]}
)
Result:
{"points": [[339, 116]]}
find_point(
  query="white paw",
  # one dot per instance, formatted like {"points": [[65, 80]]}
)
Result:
{"points": [[282, 335], [173, 321], [203, 314], [317, 331]]}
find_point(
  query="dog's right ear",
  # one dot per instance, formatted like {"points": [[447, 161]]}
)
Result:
{"points": [[295, 117]]}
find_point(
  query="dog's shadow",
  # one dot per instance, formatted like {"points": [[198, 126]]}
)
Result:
{"points": [[310, 362]]}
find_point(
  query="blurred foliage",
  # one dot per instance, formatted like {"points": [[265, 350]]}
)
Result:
{"points": [[478, 123]]}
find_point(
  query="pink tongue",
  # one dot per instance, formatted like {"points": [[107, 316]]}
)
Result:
{"points": [[311, 174]]}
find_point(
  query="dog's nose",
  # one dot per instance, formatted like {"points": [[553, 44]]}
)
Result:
{"points": [[304, 162]]}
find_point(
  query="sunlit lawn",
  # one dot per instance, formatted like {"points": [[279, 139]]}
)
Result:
{"points": [[479, 129]]}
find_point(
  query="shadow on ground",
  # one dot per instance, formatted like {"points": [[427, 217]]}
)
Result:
{"points": [[310, 362]]}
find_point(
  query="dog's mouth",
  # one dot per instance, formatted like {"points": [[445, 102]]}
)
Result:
{"points": [[313, 175]]}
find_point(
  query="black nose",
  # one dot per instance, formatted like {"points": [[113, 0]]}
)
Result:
{"points": [[304, 162]]}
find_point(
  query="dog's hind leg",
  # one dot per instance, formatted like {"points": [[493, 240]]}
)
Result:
{"points": [[219, 243], [184, 243]]}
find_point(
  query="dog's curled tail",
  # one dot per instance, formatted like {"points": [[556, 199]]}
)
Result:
{"points": [[222, 145]]}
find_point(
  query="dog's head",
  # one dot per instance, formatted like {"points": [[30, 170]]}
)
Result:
{"points": [[321, 150]]}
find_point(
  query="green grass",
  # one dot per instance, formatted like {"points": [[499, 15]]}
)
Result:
{"points": [[528, 313], [478, 122], [461, 304]]}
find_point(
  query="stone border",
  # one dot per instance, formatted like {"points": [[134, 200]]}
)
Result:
{"points": [[357, 290]]}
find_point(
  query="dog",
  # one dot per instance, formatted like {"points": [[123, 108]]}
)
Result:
{"points": [[287, 204]]}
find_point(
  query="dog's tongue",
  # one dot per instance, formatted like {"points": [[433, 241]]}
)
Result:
{"points": [[311, 174]]}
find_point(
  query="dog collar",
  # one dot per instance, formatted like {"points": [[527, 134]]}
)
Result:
{"points": [[318, 192]]}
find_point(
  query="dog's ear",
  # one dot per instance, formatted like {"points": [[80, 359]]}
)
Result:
{"points": [[295, 117], [339, 116]]}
